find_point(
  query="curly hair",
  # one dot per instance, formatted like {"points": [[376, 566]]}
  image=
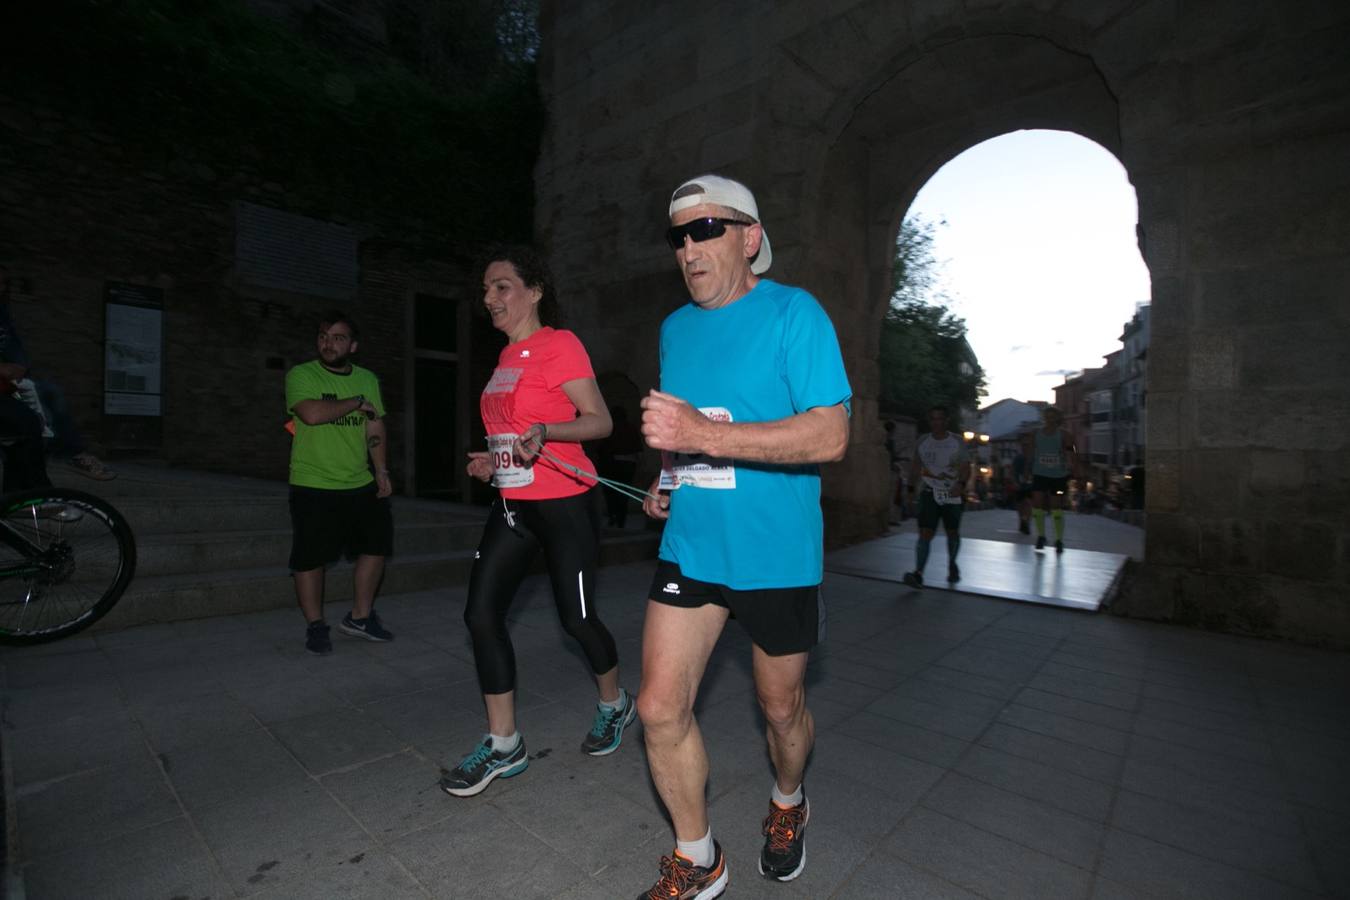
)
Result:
{"points": [[534, 272]]}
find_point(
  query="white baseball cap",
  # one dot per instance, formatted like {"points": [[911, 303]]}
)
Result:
{"points": [[721, 191]]}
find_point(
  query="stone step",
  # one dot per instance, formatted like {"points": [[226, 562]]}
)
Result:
{"points": [[199, 594], [227, 551], [189, 514]]}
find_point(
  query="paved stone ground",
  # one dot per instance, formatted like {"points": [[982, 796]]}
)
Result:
{"points": [[966, 747]]}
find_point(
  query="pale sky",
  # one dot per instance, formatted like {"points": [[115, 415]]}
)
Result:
{"points": [[1038, 255]]}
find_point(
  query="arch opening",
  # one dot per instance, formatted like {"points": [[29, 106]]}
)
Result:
{"points": [[1018, 279]]}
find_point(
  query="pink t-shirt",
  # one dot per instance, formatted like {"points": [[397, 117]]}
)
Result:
{"points": [[526, 387]]}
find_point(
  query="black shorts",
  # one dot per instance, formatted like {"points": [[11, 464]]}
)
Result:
{"points": [[779, 620], [326, 525], [1049, 486], [930, 511]]}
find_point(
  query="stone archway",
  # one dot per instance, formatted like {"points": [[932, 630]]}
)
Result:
{"points": [[901, 131], [1227, 121]]}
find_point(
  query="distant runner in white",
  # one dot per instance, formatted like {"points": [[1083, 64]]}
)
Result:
{"points": [[943, 468]]}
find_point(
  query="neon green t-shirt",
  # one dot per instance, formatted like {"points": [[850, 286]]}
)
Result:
{"points": [[331, 456]]}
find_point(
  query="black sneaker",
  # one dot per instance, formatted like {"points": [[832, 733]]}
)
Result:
{"points": [[607, 729], [368, 628], [476, 771], [953, 572], [913, 579], [784, 853], [1040, 542], [1059, 546], [682, 880], [1024, 527], [317, 640]]}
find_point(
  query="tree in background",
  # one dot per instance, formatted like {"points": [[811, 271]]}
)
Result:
{"points": [[925, 359]]}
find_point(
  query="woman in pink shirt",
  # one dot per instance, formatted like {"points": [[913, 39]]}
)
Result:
{"points": [[540, 404]]}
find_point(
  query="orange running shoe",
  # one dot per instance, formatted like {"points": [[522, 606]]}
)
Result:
{"points": [[784, 853], [682, 880]]}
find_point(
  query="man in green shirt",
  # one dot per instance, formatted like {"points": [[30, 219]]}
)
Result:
{"points": [[337, 507]]}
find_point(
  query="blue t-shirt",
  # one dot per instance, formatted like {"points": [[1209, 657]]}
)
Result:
{"points": [[769, 355]]}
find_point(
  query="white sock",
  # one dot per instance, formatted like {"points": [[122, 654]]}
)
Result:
{"points": [[504, 744], [699, 852], [616, 704], [787, 800]]}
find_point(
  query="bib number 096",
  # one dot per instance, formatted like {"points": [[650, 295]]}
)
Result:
{"points": [[506, 472]]}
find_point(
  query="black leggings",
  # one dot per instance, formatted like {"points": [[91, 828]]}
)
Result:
{"points": [[568, 530]]}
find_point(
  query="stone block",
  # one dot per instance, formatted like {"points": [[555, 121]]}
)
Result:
{"points": [[1316, 613], [1087, 14], [1149, 594], [837, 47], [1276, 473], [1313, 224], [1284, 293], [932, 20], [1239, 603], [1163, 487], [1231, 545], [1212, 481], [1152, 111], [1168, 361], [1041, 827], [1293, 357], [163, 860], [1217, 837], [1164, 422], [981, 861], [1220, 418], [1172, 539], [809, 103], [719, 152], [1123, 31], [1157, 869], [1298, 549], [1327, 487], [1212, 363]]}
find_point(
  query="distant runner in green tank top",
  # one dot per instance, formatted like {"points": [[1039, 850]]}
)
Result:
{"points": [[1053, 459]]}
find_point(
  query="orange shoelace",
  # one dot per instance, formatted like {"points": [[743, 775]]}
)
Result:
{"points": [[781, 826], [674, 879]]}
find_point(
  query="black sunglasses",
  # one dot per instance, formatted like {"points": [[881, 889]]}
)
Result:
{"points": [[699, 230]]}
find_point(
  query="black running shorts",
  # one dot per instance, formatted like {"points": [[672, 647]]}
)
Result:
{"points": [[930, 511], [1049, 486], [326, 525], [779, 620]]}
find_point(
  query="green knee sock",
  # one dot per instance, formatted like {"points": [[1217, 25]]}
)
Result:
{"points": [[1039, 515], [1058, 516]]}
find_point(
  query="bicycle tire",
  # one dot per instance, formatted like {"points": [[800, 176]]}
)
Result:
{"points": [[86, 558]]}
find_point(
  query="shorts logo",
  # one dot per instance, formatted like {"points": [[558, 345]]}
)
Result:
{"points": [[524, 354], [671, 588]]}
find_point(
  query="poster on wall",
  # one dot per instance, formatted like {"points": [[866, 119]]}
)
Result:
{"points": [[133, 350]]}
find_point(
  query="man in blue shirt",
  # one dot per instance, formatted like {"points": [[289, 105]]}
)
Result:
{"points": [[753, 396]]}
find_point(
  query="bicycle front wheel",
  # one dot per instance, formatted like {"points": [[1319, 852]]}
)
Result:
{"points": [[65, 559]]}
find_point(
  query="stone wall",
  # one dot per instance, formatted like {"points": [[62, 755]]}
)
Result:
{"points": [[81, 208], [1231, 120]]}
